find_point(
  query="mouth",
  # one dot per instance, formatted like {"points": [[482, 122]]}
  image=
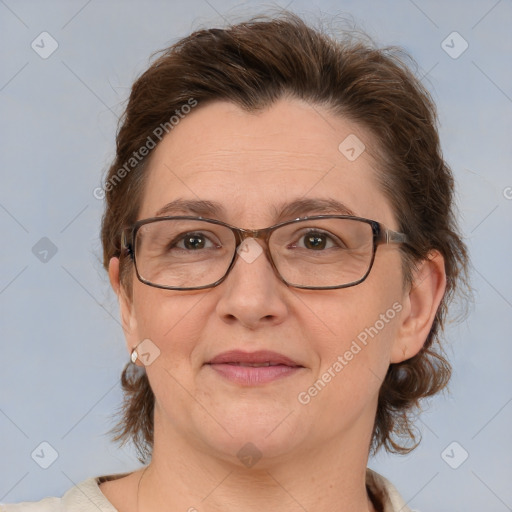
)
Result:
{"points": [[253, 359], [254, 365], [253, 368]]}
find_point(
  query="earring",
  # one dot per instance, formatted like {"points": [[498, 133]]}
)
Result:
{"points": [[144, 353]]}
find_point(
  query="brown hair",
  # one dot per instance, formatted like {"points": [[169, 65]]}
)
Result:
{"points": [[253, 64]]}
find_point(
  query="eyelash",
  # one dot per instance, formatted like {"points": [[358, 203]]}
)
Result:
{"points": [[310, 231]]}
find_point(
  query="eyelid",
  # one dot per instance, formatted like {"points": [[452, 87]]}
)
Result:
{"points": [[214, 240], [311, 229]]}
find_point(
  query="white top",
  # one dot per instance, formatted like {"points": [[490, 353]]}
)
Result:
{"points": [[87, 497]]}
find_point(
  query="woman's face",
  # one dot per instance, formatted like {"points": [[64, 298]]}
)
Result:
{"points": [[252, 165]]}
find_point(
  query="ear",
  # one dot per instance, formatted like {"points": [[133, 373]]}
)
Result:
{"points": [[420, 306], [128, 319]]}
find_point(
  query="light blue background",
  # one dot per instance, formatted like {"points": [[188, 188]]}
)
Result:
{"points": [[62, 347]]}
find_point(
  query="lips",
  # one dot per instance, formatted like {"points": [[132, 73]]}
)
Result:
{"points": [[254, 359], [253, 368]]}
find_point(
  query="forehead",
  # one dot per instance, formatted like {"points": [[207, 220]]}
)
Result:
{"points": [[252, 164]]}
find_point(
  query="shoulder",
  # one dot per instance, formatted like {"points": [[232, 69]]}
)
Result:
{"points": [[87, 497], [385, 492], [46, 505], [83, 497]]}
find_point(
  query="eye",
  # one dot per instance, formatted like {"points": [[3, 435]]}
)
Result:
{"points": [[193, 242], [317, 240]]}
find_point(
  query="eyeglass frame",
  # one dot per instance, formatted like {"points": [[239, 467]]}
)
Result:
{"points": [[381, 235]]}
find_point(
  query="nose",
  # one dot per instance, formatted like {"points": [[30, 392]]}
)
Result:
{"points": [[252, 294]]}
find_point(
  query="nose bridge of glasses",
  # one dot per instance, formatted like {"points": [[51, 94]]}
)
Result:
{"points": [[263, 234], [257, 234]]}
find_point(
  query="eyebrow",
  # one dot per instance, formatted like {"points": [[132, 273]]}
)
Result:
{"points": [[297, 208], [192, 206]]}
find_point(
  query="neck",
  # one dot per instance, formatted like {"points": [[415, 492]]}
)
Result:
{"points": [[330, 477]]}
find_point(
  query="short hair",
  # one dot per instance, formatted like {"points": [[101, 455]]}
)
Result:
{"points": [[253, 64]]}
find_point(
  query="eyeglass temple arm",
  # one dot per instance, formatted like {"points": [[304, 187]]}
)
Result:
{"points": [[389, 236], [126, 243]]}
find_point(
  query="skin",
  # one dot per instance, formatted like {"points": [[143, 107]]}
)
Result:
{"points": [[313, 456]]}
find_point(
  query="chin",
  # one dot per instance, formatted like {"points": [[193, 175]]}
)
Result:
{"points": [[252, 452], [258, 433]]}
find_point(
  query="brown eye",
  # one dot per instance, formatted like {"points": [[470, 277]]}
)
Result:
{"points": [[318, 240], [193, 242], [315, 241]]}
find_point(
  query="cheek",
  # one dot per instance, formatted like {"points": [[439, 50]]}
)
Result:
{"points": [[352, 332], [171, 322], [352, 364], [336, 318]]}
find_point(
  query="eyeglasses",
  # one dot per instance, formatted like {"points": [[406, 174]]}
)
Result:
{"points": [[321, 252]]}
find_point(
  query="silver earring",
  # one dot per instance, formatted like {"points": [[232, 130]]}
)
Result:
{"points": [[134, 356]]}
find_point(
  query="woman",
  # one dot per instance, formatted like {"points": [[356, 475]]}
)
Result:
{"points": [[279, 232]]}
